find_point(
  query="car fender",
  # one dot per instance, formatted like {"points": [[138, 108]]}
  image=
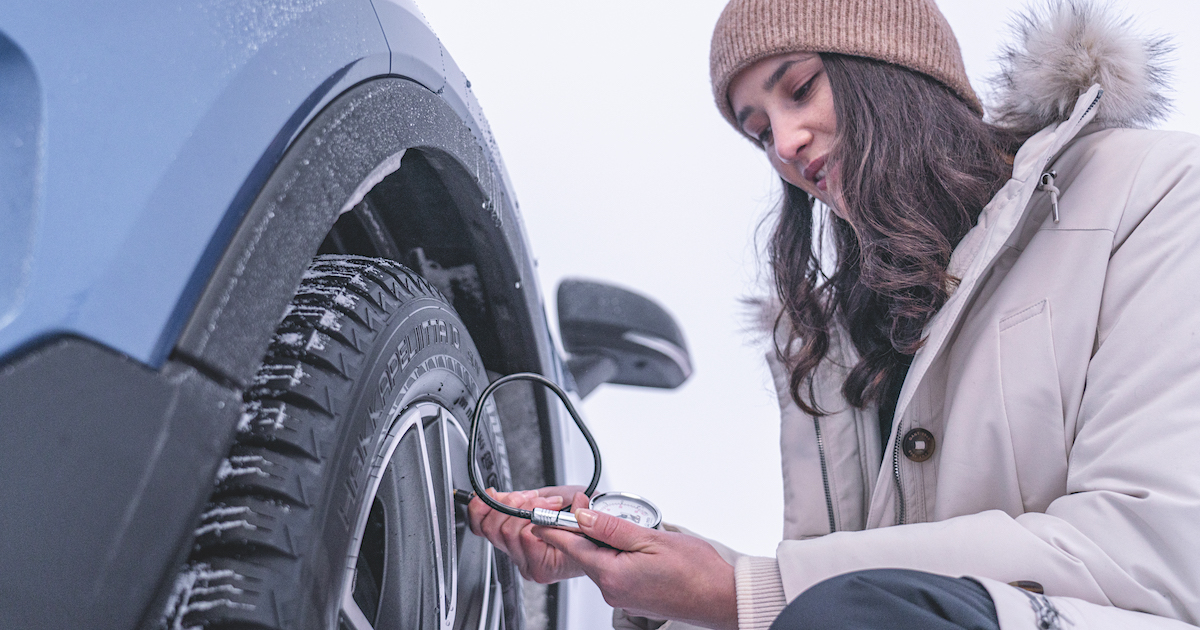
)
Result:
{"points": [[158, 125]]}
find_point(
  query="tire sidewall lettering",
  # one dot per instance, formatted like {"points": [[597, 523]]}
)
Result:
{"points": [[423, 335], [427, 347]]}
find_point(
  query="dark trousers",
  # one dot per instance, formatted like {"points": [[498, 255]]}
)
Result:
{"points": [[891, 599]]}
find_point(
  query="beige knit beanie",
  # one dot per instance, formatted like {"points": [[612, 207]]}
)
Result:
{"points": [[909, 33]]}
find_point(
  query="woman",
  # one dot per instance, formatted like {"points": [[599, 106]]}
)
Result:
{"points": [[989, 388]]}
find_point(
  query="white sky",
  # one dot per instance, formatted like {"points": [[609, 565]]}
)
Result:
{"points": [[626, 173]]}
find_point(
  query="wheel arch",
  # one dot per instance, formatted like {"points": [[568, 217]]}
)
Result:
{"points": [[298, 207], [453, 184]]}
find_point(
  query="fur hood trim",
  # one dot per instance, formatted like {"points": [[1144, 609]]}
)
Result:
{"points": [[1064, 48]]}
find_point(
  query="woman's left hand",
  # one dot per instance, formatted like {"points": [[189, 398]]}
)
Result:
{"points": [[651, 573]]}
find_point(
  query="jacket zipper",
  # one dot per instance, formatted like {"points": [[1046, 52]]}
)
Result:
{"points": [[1094, 101], [900, 507], [825, 475], [1047, 185]]}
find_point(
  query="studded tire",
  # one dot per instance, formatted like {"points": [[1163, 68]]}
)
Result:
{"points": [[334, 508]]}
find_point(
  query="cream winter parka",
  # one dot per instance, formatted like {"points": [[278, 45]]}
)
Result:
{"points": [[1061, 381]]}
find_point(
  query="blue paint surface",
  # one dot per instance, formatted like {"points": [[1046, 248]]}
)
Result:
{"points": [[156, 124]]}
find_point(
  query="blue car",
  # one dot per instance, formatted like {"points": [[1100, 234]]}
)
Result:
{"points": [[257, 262]]}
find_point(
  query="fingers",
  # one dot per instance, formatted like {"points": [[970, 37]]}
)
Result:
{"points": [[478, 511], [514, 536], [615, 532], [505, 531], [566, 492], [511, 534], [619, 534], [484, 520], [526, 550], [574, 544]]}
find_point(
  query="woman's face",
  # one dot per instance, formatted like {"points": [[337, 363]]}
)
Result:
{"points": [[785, 101]]}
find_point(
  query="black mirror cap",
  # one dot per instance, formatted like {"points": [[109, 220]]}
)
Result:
{"points": [[600, 323]]}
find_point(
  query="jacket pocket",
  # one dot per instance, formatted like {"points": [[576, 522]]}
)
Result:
{"points": [[1033, 405]]}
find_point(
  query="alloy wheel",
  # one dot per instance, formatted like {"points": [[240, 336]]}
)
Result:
{"points": [[413, 562]]}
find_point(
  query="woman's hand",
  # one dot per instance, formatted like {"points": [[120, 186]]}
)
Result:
{"points": [[650, 573], [535, 559]]}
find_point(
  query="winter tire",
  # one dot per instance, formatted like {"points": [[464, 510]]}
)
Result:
{"points": [[334, 509]]}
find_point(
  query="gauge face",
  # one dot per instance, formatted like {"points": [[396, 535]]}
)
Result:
{"points": [[630, 507]]}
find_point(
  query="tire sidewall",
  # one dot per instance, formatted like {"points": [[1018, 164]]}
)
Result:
{"points": [[422, 354]]}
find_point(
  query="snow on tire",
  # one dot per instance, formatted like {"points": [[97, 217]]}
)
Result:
{"points": [[334, 507]]}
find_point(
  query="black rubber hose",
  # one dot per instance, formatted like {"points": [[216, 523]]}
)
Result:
{"points": [[472, 467]]}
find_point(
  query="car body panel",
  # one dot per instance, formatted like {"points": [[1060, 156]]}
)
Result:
{"points": [[95, 512], [139, 97], [20, 172]]}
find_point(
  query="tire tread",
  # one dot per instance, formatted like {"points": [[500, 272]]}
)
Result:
{"points": [[254, 528]]}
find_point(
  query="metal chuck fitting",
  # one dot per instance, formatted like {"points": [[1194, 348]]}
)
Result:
{"points": [[554, 518]]}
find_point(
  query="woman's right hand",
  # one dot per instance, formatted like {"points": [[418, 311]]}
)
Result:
{"points": [[535, 559]]}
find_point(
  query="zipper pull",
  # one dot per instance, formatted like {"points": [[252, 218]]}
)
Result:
{"points": [[1047, 185]]}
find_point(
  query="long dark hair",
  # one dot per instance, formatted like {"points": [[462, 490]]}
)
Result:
{"points": [[915, 167]]}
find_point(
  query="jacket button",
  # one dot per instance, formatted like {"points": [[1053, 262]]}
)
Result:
{"points": [[918, 445]]}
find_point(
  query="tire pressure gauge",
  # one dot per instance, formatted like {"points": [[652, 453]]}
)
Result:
{"points": [[623, 505], [628, 506]]}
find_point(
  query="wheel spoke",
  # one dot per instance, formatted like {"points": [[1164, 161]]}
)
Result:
{"points": [[442, 474], [410, 595], [435, 482], [352, 617], [477, 594], [493, 603]]}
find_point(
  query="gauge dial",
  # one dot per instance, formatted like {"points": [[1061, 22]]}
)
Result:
{"points": [[630, 507]]}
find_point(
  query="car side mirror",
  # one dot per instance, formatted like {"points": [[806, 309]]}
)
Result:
{"points": [[617, 336]]}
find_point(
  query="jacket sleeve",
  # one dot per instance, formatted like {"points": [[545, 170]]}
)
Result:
{"points": [[1127, 531], [760, 593]]}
